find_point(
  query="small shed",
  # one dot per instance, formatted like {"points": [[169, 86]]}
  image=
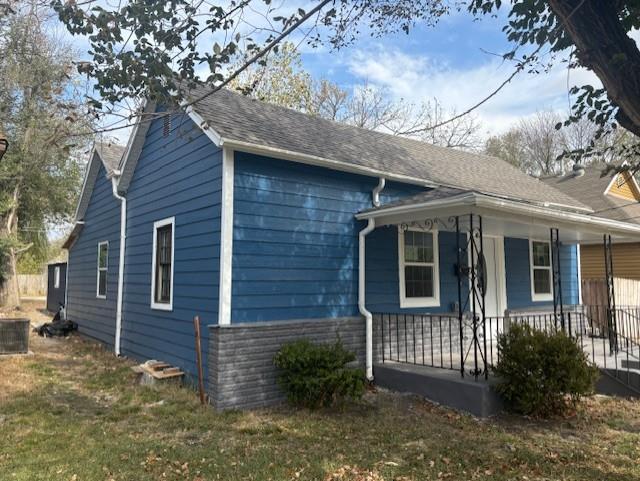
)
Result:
{"points": [[56, 285]]}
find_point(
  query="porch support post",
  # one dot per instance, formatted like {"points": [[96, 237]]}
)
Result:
{"points": [[558, 303], [478, 288], [611, 294], [460, 307], [483, 293]]}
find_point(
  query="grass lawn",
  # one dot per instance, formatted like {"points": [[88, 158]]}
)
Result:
{"points": [[72, 412]]}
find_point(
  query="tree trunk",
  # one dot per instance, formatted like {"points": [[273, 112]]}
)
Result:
{"points": [[603, 46], [9, 290]]}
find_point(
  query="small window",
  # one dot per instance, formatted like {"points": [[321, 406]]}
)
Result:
{"points": [[162, 280], [56, 277], [541, 271], [103, 266], [418, 266]]}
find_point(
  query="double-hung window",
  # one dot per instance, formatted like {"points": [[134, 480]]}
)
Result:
{"points": [[162, 273], [541, 271], [418, 268], [103, 267]]}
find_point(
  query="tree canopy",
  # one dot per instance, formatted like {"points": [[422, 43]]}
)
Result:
{"points": [[40, 112], [144, 48]]}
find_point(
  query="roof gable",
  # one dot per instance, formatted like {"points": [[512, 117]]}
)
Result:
{"points": [[104, 154], [623, 185], [592, 189]]}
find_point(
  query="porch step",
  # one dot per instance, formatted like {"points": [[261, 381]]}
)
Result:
{"points": [[442, 386], [621, 382]]}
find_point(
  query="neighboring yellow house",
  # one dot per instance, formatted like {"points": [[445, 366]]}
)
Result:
{"points": [[614, 196]]}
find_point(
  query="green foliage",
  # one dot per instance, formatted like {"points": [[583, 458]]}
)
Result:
{"points": [[5, 246], [542, 373], [42, 114], [30, 264], [317, 375], [280, 79]]}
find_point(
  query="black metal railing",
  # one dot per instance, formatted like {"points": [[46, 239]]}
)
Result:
{"points": [[611, 337], [427, 340]]}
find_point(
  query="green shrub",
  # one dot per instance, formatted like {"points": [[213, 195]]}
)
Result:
{"points": [[317, 375], [542, 374]]}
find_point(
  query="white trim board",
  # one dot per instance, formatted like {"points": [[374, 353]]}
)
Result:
{"points": [[547, 296], [501, 273], [408, 302], [99, 269], [162, 306], [226, 238]]}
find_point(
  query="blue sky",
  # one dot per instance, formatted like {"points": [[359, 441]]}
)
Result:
{"points": [[448, 62], [451, 63]]}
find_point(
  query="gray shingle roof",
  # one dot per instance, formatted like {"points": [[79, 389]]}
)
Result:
{"points": [[589, 189], [240, 118], [110, 154]]}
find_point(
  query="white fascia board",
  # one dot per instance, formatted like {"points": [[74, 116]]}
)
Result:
{"points": [[554, 215], [322, 162], [204, 126], [613, 179], [134, 146], [456, 200], [94, 156], [483, 201]]}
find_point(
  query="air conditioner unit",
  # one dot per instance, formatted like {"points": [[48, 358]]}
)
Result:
{"points": [[14, 336]]}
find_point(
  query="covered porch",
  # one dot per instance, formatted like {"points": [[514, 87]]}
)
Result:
{"points": [[468, 265]]}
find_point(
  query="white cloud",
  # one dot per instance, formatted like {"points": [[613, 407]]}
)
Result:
{"points": [[418, 78]]}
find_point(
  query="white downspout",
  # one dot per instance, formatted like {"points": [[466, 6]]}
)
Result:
{"points": [[123, 236], [361, 282], [376, 192]]}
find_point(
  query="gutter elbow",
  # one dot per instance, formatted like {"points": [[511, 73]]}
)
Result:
{"points": [[377, 190]]}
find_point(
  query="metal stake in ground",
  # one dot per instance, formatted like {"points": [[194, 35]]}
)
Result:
{"points": [[196, 326]]}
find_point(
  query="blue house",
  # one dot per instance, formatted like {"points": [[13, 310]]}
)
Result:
{"points": [[272, 225]]}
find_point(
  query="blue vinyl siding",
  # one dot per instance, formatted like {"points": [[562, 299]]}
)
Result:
{"points": [[295, 239], [383, 280], [519, 274], [177, 176], [96, 318]]}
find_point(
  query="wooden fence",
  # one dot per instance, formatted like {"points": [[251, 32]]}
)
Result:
{"points": [[32, 285], [594, 292]]}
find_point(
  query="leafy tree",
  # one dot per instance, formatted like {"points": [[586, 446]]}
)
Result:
{"points": [[279, 79], [41, 113], [145, 47]]}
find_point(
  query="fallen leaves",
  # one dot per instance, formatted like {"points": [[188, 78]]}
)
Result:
{"points": [[353, 473]]}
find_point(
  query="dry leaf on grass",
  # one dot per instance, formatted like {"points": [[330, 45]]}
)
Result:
{"points": [[353, 473]]}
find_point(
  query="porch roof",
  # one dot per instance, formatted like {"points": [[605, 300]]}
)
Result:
{"points": [[506, 217]]}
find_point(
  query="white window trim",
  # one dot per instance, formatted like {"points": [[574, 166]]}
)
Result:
{"points": [[162, 306], [106, 269], [56, 277], [406, 302], [534, 296]]}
